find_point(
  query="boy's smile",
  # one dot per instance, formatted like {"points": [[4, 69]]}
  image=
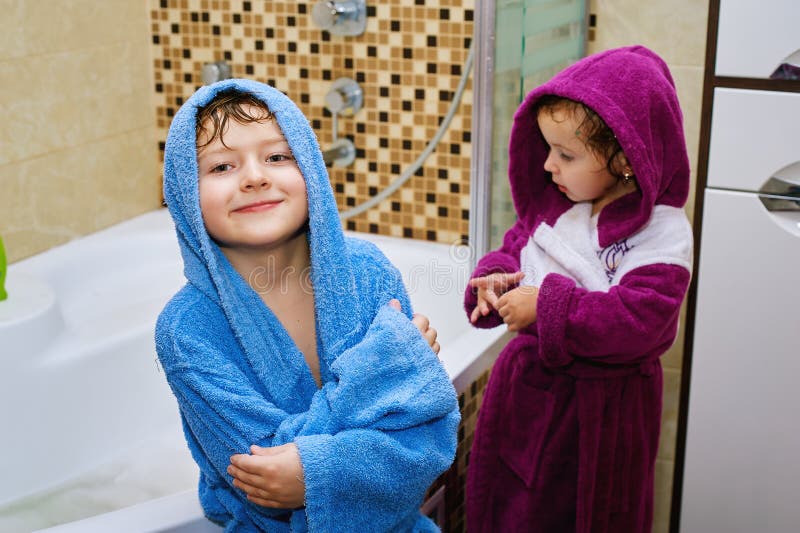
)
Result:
{"points": [[252, 193], [257, 206]]}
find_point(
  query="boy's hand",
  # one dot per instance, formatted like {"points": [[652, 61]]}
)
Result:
{"points": [[490, 289], [271, 477], [423, 325], [517, 307]]}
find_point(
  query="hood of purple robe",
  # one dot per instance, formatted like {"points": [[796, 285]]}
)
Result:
{"points": [[632, 90]]}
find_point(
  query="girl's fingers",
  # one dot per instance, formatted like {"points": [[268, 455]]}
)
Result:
{"points": [[476, 313], [491, 298], [516, 277], [502, 311], [477, 282]]}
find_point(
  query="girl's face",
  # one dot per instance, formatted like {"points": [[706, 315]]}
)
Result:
{"points": [[252, 193], [579, 173]]}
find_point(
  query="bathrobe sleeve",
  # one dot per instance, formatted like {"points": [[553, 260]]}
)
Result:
{"points": [[222, 407], [632, 322], [399, 413], [505, 259], [401, 433]]}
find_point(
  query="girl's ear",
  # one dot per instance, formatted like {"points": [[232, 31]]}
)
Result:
{"points": [[622, 164]]}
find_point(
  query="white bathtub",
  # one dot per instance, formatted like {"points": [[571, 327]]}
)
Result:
{"points": [[90, 427]]}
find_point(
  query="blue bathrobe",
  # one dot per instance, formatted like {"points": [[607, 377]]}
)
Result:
{"points": [[383, 425]]}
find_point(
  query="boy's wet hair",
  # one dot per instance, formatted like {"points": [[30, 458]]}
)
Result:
{"points": [[593, 130], [212, 118]]}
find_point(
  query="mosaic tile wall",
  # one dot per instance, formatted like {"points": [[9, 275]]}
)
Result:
{"points": [[408, 63], [455, 479]]}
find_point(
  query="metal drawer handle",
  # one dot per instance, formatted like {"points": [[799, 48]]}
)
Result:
{"points": [[780, 194]]}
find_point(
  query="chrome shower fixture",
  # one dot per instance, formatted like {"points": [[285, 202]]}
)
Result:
{"points": [[341, 153], [214, 72], [348, 17], [344, 98]]}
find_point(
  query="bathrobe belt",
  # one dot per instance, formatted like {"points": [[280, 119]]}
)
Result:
{"points": [[584, 369]]}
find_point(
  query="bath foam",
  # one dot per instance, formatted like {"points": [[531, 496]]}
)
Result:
{"points": [[146, 470]]}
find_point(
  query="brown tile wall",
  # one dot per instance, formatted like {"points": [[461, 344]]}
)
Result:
{"points": [[408, 63], [455, 479]]}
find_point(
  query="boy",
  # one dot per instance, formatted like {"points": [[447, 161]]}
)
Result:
{"points": [[282, 342]]}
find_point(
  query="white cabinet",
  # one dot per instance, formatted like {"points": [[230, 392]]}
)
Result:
{"points": [[743, 437], [740, 464], [754, 38], [754, 135]]}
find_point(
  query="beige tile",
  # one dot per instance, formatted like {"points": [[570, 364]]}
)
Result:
{"points": [[88, 94], [73, 192], [689, 208], [689, 84], [17, 213], [669, 414], [663, 496], [673, 358], [39, 27], [676, 30]]}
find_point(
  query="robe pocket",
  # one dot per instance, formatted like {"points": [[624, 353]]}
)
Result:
{"points": [[530, 411]]}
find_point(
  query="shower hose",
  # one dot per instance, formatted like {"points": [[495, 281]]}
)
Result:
{"points": [[410, 170]]}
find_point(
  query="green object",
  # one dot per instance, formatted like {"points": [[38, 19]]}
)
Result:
{"points": [[3, 268]]}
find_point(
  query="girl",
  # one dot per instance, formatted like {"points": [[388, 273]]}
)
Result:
{"points": [[592, 277]]}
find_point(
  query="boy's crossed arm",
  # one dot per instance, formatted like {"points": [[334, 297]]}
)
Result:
{"points": [[273, 477]]}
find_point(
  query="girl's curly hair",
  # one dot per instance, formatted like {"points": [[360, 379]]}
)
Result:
{"points": [[593, 130]]}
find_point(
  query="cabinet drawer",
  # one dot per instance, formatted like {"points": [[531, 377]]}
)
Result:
{"points": [[754, 38], [754, 134], [741, 468]]}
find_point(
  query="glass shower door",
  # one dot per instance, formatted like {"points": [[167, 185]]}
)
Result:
{"points": [[521, 44]]}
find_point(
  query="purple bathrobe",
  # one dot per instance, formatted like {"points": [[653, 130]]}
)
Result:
{"points": [[567, 435]]}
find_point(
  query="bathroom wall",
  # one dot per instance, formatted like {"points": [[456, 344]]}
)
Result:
{"points": [[676, 30], [77, 137], [408, 63]]}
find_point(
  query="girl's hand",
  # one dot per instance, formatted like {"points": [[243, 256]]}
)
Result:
{"points": [[517, 307], [424, 327], [271, 477], [490, 288]]}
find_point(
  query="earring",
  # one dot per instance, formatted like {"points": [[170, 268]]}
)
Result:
{"points": [[627, 177]]}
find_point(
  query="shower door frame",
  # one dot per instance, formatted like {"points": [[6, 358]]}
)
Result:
{"points": [[481, 174]]}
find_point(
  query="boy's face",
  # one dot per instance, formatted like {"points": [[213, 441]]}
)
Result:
{"points": [[579, 173], [252, 194]]}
